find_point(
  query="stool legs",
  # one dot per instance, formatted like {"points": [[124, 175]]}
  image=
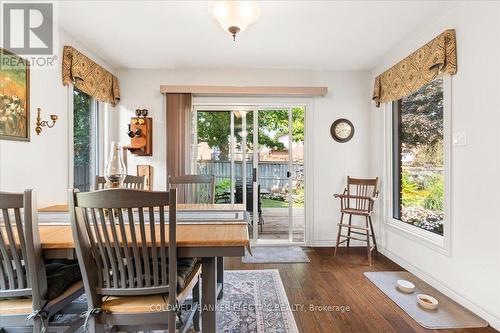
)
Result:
{"points": [[373, 236], [349, 231], [368, 245], [367, 231], [338, 234]]}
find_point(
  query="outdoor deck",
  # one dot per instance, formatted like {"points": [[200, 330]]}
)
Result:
{"points": [[276, 224]]}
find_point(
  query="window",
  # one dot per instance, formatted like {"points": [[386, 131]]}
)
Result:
{"points": [[85, 140], [418, 158]]}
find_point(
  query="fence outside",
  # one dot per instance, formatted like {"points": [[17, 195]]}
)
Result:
{"points": [[81, 175], [272, 175]]}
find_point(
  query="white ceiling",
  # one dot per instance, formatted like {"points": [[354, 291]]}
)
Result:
{"points": [[320, 35]]}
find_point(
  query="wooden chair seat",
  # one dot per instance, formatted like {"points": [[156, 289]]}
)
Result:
{"points": [[150, 303], [352, 226], [16, 306], [354, 211], [135, 304]]}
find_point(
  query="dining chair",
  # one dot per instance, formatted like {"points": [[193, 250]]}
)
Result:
{"points": [[128, 256], [194, 188], [358, 199], [30, 291], [134, 182], [199, 189], [249, 202]]}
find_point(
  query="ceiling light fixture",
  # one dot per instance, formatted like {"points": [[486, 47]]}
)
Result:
{"points": [[234, 16]]}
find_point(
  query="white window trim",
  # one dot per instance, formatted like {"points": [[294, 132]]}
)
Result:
{"points": [[431, 240], [71, 151], [104, 125]]}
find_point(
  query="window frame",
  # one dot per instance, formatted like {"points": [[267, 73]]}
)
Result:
{"points": [[99, 122], [440, 243]]}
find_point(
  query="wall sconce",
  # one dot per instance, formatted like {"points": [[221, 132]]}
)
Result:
{"points": [[44, 123]]}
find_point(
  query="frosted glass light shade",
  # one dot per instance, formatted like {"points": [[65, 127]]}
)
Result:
{"points": [[234, 13]]}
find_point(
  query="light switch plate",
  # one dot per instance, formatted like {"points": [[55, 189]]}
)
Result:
{"points": [[460, 138]]}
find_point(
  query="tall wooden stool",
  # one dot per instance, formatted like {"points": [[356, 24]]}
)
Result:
{"points": [[358, 199]]}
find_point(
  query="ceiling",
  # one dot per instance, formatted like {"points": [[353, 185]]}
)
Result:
{"points": [[318, 35]]}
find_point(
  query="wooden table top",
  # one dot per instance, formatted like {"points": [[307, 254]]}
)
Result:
{"points": [[60, 237], [63, 208]]}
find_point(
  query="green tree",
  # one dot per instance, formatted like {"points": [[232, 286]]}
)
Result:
{"points": [[81, 127], [214, 128], [422, 124]]}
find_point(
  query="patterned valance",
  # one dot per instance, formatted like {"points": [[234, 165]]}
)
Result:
{"points": [[439, 56], [89, 77]]}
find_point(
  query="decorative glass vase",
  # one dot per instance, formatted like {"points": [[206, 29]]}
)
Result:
{"points": [[115, 170]]}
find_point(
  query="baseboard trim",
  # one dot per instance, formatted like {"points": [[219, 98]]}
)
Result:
{"points": [[322, 243], [468, 304]]}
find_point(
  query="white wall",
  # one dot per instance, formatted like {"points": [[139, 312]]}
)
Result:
{"points": [[471, 273], [42, 163], [349, 96]]}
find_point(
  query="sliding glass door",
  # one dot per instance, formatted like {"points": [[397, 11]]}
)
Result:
{"points": [[272, 163], [257, 157]]}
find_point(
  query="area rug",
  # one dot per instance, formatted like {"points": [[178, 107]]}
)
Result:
{"points": [[254, 302], [449, 314], [275, 255]]}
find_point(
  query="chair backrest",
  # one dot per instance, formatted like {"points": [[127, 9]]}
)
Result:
{"points": [[194, 188], [122, 242], [134, 182], [361, 187], [22, 271], [249, 196]]}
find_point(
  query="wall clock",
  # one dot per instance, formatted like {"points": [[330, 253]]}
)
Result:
{"points": [[342, 130]]}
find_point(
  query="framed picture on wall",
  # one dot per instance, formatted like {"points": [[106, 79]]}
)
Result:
{"points": [[14, 97]]}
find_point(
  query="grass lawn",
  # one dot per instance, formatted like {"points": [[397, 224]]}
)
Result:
{"points": [[270, 203]]}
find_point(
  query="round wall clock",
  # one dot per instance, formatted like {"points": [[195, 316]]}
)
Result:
{"points": [[342, 130]]}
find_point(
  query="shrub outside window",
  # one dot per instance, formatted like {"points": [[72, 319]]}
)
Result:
{"points": [[85, 140], [418, 158]]}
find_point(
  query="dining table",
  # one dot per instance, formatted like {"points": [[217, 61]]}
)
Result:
{"points": [[206, 231]]}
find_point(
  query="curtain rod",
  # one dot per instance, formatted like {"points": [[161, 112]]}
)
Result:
{"points": [[244, 90]]}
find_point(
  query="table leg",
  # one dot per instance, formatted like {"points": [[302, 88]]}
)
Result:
{"points": [[209, 295], [220, 276]]}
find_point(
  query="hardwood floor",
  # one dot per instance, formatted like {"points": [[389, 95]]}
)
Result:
{"points": [[340, 281]]}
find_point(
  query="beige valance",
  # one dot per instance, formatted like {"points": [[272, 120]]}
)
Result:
{"points": [[89, 77], [439, 56]]}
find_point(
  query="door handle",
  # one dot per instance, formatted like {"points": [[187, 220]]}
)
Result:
{"points": [[254, 175], [288, 174]]}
